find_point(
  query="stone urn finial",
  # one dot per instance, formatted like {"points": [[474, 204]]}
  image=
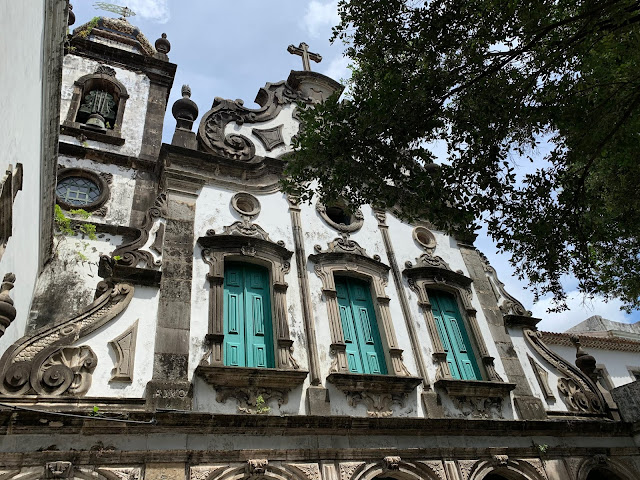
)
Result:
{"points": [[585, 362], [163, 45], [7, 310], [185, 110]]}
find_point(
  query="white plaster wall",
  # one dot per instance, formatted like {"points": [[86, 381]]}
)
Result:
{"points": [[21, 53], [522, 349], [144, 309], [214, 211], [122, 189], [617, 363], [137, 85], [289, 129]]}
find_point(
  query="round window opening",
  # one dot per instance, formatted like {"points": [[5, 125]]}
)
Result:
{"points": [[80, 189], [424, 237], [245, 204], [338, 215]]}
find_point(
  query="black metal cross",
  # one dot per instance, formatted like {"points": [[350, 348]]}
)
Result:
{"points": [[303, 51]]}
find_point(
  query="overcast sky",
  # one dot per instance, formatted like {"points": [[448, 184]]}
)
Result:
{"points": [[230, 49]]}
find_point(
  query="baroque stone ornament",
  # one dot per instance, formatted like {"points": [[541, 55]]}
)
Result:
{"points": [[124, 345], [348, 469], [45, 362], [105, 70], [311, 471], [247, 397], [391, 463], [508, 304], [7, 310], [134, 473], [478, 407], [269, 137], [580, 393], [58, 470], [436, 468], [212, 134], [204, 472], [257, 467], [245, 228], [133, 254], [543, 378]]}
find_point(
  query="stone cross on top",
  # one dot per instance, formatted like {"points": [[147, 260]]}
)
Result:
{"points": [[303, 51]]}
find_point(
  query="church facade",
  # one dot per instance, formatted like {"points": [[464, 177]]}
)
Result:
{"points": [[194, 322]]}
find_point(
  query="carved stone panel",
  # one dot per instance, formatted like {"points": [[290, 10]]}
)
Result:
{"points": [[124, 345], [543, 378], [269, 137]]}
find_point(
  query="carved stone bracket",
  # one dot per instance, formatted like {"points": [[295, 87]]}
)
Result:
{"points": [[58, 470], [45, 363], [257, 467], [391, 463], [431, 272], [344, 256], [256, 248], [135, 253], [7, 310], [476, 399], [377, 392], [212, 134], [579, 392], [247, 384]]}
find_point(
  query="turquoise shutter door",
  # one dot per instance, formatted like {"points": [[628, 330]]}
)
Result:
{"points": [[248, 339], [360, 327], [348, 327], [234, 342], [259, 332], [453, 334]]}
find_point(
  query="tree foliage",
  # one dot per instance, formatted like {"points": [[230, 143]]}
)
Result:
{"points": [[493, 79]]}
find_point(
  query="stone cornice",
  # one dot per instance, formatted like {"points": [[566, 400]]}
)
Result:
{"points": [[589, 341], [29, 422]]}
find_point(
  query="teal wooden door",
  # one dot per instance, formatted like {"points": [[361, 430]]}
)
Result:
{"points": [[248, 333], [359, 326], [460, 357]]}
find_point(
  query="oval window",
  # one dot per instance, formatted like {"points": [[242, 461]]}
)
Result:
{"points": [[77, 188]]}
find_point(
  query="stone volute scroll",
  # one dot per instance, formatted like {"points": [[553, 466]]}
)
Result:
{"points": [[578, 391], [46, 362], [7, 310], [378, 392], [432, 272], [247, 242], [140, 261]]}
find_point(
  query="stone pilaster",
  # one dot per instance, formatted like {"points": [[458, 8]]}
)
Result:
{"points": [[170, 386], [528, 406]]}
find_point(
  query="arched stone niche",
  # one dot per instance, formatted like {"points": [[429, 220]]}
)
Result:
{"points": [[503, 467], [345, 257], [601, 467], [248, 243], [104, 78], [393, 467], [433, 273]]}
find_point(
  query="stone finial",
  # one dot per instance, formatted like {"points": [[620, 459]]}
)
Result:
{"points": [[163, 45], [184, 110], [7, 310], [71, 17], [585, 362]]}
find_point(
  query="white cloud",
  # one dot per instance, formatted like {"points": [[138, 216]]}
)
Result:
{"points": [[580, 309], [154, 10], [321, 16], [338, 69]]}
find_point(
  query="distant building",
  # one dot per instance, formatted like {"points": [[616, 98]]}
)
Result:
{"points": [[193, 322]]}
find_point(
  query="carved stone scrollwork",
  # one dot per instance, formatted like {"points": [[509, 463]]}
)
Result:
{"points": [[212, 134], [311, 471], [105, 70], [508, 304], [132, 254], [204, 472], [580, 393], [7, 310], [247, 229], [247, 397], [345, 256], [478, 407], [134, 473], [348, 469], [45, 363]]}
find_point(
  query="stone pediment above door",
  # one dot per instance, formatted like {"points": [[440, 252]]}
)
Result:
{"points": [[235, 132]]}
